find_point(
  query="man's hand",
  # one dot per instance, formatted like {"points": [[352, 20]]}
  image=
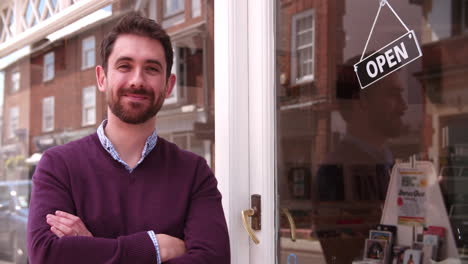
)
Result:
{"points": [[170, 247], [65, 224]]}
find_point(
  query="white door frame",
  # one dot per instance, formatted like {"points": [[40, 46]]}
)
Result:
{"points": [[245, 121]]}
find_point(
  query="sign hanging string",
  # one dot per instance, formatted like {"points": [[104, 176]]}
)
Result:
{"points": [[382, 3]]}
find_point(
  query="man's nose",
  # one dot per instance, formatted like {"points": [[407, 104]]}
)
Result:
{"points": [[137, 78], [403, 106]]}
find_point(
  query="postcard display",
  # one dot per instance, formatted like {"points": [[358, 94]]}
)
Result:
{"points": [[414, 207]]}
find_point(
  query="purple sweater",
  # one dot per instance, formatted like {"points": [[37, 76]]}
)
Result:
{"points": [[172, 192]]}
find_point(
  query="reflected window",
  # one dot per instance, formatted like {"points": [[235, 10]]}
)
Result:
{"points": [[49, 69], [15, 81], [88, 52], [13, 122], [48, 114], [89, 105], [172, 7], [302, 47]]}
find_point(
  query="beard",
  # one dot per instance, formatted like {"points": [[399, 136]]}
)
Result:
{"points": [[135, 112]]}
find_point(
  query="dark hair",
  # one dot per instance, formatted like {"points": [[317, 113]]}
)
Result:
{"points": [[134, 23], [347, 87]]}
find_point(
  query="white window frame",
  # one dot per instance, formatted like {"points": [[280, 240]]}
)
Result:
{"points": [[15, 81], [294, 67], [13, 122], [48, 112], [49, 63], [170, 3], [245, 107], [88, 105], [88, 45]]}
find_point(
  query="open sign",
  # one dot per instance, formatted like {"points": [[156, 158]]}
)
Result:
{"points": [[388, 59]]}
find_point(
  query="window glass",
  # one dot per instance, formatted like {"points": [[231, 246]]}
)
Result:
{"points": [[48, 114], [89, 105], [29, 13], [303, 46], [14, 121], [41, 7], [196, 8], [88, 52], [15, 81], [336, 142], [49, 66], [172, 7]]}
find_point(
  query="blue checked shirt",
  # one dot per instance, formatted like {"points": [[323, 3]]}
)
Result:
{"points": [[149, 145]]}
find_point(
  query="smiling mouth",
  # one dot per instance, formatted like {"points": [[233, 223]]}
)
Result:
{"points": [[136, 96]]}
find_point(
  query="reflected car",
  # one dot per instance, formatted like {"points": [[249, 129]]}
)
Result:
{"points": [[14, 209]]}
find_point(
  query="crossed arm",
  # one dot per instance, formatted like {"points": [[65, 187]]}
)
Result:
{"points": [[56, 236], [64, 224]]}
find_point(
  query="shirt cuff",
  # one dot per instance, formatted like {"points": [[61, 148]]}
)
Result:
{"points": [[156, 245]]}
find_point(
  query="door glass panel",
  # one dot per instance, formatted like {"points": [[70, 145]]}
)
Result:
{"points": [[336, 142]]}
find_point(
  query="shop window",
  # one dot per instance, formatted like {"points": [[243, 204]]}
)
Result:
{"points": [[49, 68], [88, 52], [48, 114], [15, 81], [13, 122], [302, 43], [89, 106]]}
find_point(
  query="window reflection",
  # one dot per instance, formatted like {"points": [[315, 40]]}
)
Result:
{"points": [[337, 142]]}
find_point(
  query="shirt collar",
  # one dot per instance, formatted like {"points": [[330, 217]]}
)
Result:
{"points": [[109, 147]]}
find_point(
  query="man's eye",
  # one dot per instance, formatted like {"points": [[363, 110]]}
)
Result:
{"points": [[124, 66], [152, 69]]}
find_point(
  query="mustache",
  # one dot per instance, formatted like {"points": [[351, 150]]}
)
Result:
{"points": [[140, 91]]}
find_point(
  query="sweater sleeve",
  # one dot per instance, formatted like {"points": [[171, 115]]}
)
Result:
{"points": [[51, 192], [205, 235]]}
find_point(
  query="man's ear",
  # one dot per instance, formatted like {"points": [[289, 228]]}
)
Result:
{"points": [[101, 78], [170, 84]]}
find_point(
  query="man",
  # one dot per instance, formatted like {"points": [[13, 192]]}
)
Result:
{"points": [[123, 194], [358, 167], [354, 177]]}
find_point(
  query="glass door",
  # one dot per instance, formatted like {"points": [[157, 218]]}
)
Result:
{"points": [[336, 142]]}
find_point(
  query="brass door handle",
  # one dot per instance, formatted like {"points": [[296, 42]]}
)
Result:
{"points": [[255, 217], [245, 214], [291, 223]]}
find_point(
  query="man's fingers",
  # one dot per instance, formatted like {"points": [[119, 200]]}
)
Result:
{"points": [[65, 221], [63, 228], [170, 247], [69, 225], [56, 231], [66, 215]]}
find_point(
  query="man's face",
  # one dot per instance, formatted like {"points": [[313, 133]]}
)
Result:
{"points": [[135, 82], [386, 107]]}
